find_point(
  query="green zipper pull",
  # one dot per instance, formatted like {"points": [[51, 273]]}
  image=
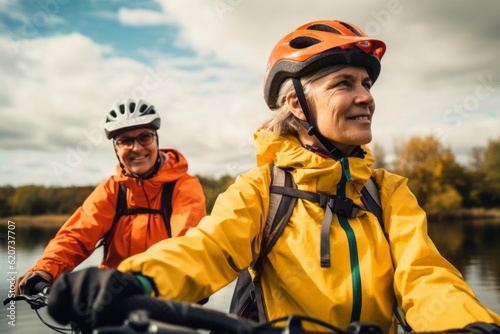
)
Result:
{"points": [[345, 168]]}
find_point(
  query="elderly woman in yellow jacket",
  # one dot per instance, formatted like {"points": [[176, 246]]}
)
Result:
{"points": [[318, 85]]}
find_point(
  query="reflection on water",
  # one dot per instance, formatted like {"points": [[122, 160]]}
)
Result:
{"points": [[32, 237], [474, 248]]}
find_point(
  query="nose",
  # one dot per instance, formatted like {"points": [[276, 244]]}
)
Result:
{"points": [[363, 96], [136, 146]]}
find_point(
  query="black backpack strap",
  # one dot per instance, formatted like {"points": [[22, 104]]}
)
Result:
{"points": [[280, 210], [121, 208], [121, 204], [166, 204], [245, 296], [370, 197]]}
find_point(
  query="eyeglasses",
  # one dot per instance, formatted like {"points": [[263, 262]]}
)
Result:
{"points": [[126, 143]]}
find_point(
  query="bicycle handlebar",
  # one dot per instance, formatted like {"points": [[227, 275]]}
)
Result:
{"points": [[145, 314], [42, 287], [189, 315], [172, 316]]}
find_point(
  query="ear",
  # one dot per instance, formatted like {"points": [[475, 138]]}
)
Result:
{"points": [[294, 105]]}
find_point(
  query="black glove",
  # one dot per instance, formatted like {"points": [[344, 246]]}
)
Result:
{"points": [[483, 328], [87, 297]]}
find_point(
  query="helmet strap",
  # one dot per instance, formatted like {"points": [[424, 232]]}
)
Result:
{"points": [[308, 124]]}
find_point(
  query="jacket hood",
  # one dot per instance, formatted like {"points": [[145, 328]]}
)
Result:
{"points": [[175, 167], [288, 152]]}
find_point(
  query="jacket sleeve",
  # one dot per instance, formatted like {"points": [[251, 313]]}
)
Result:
{"points": [[429, 289], [77, 238], [209, 256], [188, 205]]}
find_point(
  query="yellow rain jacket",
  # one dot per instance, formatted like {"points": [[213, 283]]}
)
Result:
{"points": [[133, 234], [427, 287]]}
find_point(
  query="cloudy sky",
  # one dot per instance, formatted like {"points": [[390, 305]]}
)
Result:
{"points": [[200, 62]]}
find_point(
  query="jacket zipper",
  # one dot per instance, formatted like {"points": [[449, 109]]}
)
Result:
{"points": [[353, 248]]}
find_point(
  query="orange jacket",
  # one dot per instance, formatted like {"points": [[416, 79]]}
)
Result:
{"points": [[77, 238]]}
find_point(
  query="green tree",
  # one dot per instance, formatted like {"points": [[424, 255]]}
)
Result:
{"points": [[476, 177], [67, 200], [30, 200], [6, 194], [35, 200], [432, 173], [212, 187], [490, 192]]}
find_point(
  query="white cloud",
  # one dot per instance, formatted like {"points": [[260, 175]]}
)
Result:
{"points": [[203, 110], [434, 62], [56, 90], [142, 17]]}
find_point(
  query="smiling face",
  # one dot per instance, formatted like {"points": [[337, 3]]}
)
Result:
{"points": [[341, 107], [137, 159]]}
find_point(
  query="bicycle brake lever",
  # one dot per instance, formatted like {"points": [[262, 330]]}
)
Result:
{"points": [[36, 301], [15, 298]]}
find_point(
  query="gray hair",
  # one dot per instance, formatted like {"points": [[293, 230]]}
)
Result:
{"points": [[282, 122]]}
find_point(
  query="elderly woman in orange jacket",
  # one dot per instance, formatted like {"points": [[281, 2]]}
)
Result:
{"points": [[143, 169]]}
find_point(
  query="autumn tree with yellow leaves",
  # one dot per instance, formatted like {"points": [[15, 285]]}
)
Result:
{"points": [[434, 175]]}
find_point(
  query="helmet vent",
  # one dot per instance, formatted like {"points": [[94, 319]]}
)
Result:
{"points": [[131, 107], [143, 108], [303, 42], [324, 27], [351, 28], [112, 113], [122, 109]]}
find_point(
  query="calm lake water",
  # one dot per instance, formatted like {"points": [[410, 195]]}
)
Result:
{"points": [[473, 247]]}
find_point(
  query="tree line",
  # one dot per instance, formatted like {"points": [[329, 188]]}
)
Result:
{"points": [[441, 185], [38, 200]]}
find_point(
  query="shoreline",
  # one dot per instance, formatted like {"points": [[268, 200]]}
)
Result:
{"points": [[57, 220], [481, 214], [46, 221]]}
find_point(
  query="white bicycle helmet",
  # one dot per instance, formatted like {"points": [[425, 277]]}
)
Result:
{"points": [[129, 115]]}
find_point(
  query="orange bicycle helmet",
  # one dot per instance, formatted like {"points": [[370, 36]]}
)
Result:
{"points": [[318, 44]]}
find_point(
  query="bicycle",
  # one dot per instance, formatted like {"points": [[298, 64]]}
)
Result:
{"points": [[147, 315]]}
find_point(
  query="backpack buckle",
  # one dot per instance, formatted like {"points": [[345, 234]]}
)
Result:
{"points": [[343, 206]]}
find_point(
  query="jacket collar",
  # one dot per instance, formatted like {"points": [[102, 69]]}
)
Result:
{"points": [[320, 174], [172, 169]]}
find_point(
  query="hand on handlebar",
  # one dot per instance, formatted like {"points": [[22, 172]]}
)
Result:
{"points": [[26, 283], [87, 297]]}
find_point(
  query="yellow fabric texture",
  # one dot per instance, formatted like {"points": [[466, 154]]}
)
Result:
{"points": [[429, 289]]}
